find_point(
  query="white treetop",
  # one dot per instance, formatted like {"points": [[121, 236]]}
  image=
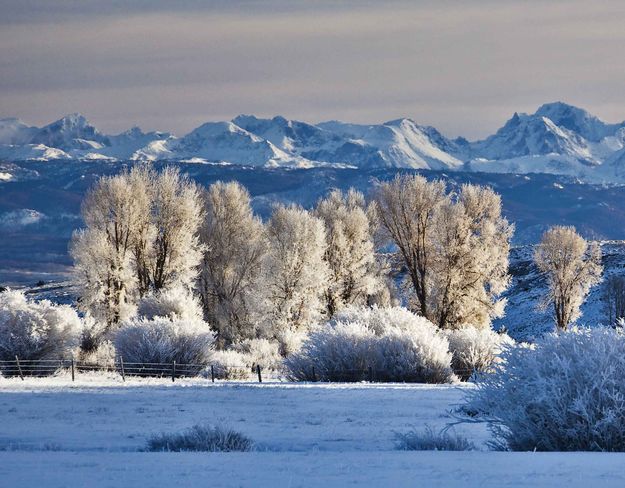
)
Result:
{"points": [[572, 267]]}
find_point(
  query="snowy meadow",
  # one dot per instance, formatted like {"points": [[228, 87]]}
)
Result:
{"points": [[93, 433]]}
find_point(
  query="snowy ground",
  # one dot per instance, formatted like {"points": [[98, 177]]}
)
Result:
{"points": [[56, 433]]}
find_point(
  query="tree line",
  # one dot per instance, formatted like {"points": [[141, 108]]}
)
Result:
{"points": [[442, 251]]}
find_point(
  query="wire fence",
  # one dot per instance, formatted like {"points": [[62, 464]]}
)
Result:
{"points": [[24, 368]]}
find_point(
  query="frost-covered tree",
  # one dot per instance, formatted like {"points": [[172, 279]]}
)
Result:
{"points": [[471, 243], [234, 247], [176, 216], [112, 211], [407, 207], [453, 246], [572, 267], [354, 274], [142, 234], [295, 274]]}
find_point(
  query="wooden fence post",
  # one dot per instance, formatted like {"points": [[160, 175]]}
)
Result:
{"points": [[260, 378], [173, 371], [19, 368], [212, 374], [73, 368], [121, 363]]}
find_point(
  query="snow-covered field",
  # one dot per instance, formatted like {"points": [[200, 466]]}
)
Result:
{"points": [[90, 433]]}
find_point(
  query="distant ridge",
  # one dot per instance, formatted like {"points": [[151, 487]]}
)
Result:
{"points": [[557, 139]]}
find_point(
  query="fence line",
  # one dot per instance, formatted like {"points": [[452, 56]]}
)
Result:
{"points": [[48, 367]]}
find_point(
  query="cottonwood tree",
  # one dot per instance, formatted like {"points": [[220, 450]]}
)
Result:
{"points": [[454, 247], [407, 207], [295, 274], [175, 251], [571, 267], [354, 274], [102, 252], [471, 244], [234, 248], [141, 235]]}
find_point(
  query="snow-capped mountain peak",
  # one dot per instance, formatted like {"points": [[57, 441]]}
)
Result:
{"points": [[227, 142], [289, 135], [577, 120], [133, 132], [533, 135], [71, 123], [396, 143], [73, 120], [67, 131]]}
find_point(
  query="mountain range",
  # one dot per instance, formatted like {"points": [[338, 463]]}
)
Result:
{"points": [[557, 139]]}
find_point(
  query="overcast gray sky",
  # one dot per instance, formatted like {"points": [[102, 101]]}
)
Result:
{"points": [[463, 67]]}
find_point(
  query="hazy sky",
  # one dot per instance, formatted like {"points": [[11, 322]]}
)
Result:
{"points": [[463, 66]]}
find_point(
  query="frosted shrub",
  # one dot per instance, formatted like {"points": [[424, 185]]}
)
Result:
{"points": [[475, 350], [102, 356], [290, 341], [395, 344], [564, 394], [340, 351], [381, 319], [201, 438], [175, 304], [414, 356], [96, 349], [230, 365], [36, 330], [162, 341], [239, 362], [261, 352], [429, 440], [93, 333]]}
